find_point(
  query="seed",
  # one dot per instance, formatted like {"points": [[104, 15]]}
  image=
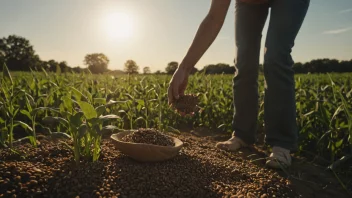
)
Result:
{"points": [[149, 136], [186, 104], [33, 182]]}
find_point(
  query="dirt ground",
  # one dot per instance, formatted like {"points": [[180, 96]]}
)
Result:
{"points": [[200, 170]]}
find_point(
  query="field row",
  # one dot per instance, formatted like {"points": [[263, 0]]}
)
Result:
{"points": [[83, 106]]}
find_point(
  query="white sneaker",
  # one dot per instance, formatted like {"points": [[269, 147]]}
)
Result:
{"points": [[232, 144], [279, 158]]}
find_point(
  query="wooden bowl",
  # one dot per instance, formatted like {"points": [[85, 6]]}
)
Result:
{"points": [[146, 152]]}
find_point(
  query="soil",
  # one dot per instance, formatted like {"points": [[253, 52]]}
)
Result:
{"points": [[149, 136], [186, 104], [199, 170]]}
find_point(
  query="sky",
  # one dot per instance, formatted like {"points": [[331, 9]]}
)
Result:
{"points": [[156, 32]]}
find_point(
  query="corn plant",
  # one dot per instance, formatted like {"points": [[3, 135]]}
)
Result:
{"points": [[9, 108], [66, 104], [83, 123]]}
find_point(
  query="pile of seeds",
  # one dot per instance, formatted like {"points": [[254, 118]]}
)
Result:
{"points": [[186, 104], [149, 136]]}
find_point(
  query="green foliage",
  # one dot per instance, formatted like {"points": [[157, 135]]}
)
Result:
{"points": [[97, 62], [171, 67], [220, 68], [85, 106], [146, 70], [131, 67], [18, 53]]}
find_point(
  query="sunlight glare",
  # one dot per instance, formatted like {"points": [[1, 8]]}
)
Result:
{"points": [[119, 25]]}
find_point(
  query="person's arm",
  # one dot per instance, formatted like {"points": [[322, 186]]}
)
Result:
{"points": [[206, 34]]}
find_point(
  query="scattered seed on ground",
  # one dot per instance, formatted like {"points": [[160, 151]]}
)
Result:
{"points": [[199, 170]]}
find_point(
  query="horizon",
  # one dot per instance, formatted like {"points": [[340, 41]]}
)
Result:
{"points": [[157, 32]]}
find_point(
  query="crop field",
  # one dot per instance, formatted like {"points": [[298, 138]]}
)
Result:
{"points": [[85, 107]]}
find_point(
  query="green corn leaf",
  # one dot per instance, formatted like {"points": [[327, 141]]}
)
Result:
{"points": [[43, 70], [222, 125], [53, 120], [173, 130], [141, 102], [129, 96], [30, 100], [25, 112], [67, 102], [338, 143], [34, 111], [122, 111], [100, 109], [110, 127], [139, 107], [338, 110], [6, 73], [30, 139], [87, 109], [139, 118], [322, 137], [76, 120], [349, 94], [111, 102], [109, 117], [60, 135], [15, 112], [78, 95], [82, 130], [24, 125], [99, 100], [309, 113], [88, 95]]}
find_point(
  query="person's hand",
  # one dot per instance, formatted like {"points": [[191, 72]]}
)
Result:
{"points": [[178, 84]]}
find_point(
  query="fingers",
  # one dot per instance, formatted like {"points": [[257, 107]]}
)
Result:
{"points": [[172, 93]]}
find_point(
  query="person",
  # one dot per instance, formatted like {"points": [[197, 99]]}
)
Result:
{"points": [[286, 18]]}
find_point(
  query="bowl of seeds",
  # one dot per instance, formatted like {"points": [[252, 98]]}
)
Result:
{"points": [[186, 104], [147, 145]]}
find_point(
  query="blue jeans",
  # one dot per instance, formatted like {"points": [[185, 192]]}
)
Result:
{"points": [[286, 18]]}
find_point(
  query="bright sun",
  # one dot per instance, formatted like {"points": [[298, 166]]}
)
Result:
{"points": [[119, 25]]}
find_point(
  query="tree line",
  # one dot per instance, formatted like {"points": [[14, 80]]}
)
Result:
{"points": [[19, 55]]}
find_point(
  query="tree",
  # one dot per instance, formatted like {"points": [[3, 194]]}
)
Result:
{"points": [[131, 67], [298, 67], [64, 67], [96, 62], [146, 70], [171, 67], [51, 65], [77, 69], [18, 53], [220, 68]]}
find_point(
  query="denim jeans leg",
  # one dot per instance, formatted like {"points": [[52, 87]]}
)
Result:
{"points": [[286, 19], [249, 23]]}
